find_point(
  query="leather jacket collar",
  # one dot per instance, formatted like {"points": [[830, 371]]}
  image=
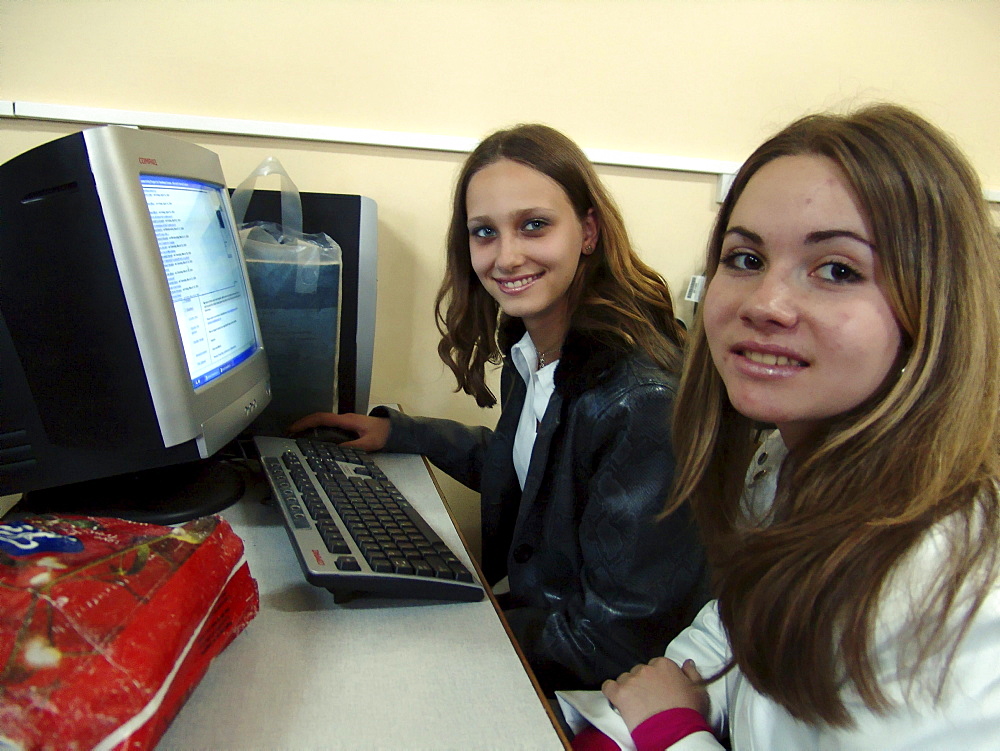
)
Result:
{"points": [[585, 361]]}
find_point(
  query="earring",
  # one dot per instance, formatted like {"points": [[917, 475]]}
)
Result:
{"points": [[588, 249]]}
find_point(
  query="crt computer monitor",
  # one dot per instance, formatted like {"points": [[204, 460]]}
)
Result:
{"points": [[130, 352]]}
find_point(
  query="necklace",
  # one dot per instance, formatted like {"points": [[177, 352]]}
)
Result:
{"points": [[543, 357]]}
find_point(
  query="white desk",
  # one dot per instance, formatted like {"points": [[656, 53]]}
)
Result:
{"points": [[308, 673]]}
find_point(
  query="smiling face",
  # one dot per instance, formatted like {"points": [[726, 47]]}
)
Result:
{"points": [[525, 242], [796, 320]]}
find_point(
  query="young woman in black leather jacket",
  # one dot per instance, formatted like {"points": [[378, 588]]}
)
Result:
{"points": [[542, 278]]}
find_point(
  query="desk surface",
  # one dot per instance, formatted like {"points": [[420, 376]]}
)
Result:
{"points": [[308, 673]]}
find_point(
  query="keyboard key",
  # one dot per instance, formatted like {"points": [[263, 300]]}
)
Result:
{"points": [[401, 566], [348, 563]]}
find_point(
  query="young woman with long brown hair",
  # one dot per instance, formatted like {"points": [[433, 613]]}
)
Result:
{"points": [[541, 277], [851, 304]]}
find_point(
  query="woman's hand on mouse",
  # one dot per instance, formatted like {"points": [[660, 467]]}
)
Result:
{"points": [[372, 432]]}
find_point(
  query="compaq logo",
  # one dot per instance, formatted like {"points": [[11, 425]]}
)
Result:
{"points": [[318, 557], [147, 160]]}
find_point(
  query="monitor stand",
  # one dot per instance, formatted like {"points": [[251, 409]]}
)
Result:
{"points": [[165, 495]]}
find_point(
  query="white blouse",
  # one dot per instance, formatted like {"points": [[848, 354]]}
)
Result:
{"points": [[541, 384]]}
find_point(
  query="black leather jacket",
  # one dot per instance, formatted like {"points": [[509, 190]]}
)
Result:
{"points": [[597, 585]]}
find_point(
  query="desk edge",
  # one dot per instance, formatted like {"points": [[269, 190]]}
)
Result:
{"points": [[496, 607]]}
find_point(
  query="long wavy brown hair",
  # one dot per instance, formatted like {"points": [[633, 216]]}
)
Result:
{"points": [[614, 297], [799, 598]]}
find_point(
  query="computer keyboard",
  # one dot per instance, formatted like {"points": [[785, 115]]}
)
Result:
{"points": [[351, 528]]}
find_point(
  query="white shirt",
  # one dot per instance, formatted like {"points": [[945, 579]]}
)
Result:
{"points": [[541, 384]]}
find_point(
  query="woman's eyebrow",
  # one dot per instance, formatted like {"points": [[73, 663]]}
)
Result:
{"points": [[832, 234], [744, 232]]}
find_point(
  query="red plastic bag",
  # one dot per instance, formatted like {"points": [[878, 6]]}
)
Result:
{"points": [[106, 626]]}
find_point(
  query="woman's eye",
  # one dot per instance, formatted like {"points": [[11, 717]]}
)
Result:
{"points": [[533, 225], [482, 232], [838, 272], [741, 260]]}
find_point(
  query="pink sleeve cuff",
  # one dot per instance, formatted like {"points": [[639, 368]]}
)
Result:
{"points": [[655, 734], [666, 728], [592, 739]]}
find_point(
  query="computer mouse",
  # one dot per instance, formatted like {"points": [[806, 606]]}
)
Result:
{"points": [[328, 433]]}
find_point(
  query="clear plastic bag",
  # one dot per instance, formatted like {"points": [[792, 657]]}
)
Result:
{"points": [[283, 243], [296, 282]]}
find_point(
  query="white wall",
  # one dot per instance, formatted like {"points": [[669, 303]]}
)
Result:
{"points": [[695, 78]]}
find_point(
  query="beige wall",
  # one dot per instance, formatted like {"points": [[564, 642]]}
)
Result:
{"points": [[696, 78]]}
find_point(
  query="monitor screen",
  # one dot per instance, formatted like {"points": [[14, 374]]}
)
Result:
{"points": [[201, 261]]}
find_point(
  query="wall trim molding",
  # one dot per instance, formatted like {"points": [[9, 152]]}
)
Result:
{"points": [[723, 171]]}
